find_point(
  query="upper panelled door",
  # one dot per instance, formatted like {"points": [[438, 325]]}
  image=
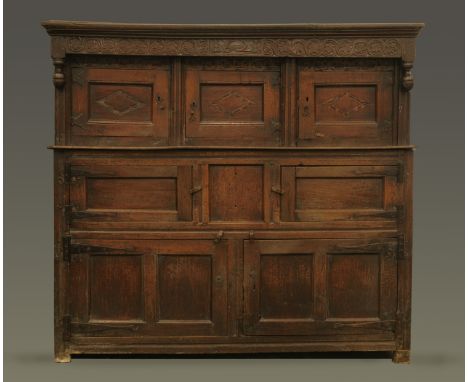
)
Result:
{"points": [[232, 107], [127, 195], [120, 106], [320, 287], [349, 196], [122, 288], [345, 108]]}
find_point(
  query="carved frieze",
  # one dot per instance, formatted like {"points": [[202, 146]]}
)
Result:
{"points": [[274, 47], [348, 64]]}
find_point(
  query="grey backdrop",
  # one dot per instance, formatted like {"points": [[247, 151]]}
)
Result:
{"points": [[437, 130]]}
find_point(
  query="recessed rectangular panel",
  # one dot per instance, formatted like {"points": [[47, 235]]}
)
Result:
{"points": [[286, 286], [185, 290], [119, 106], [115, 287], [129, 194], [230, 107], [231, 103], [353, 285], [120, 102], [345, 103], [339, 193], [168, 287], [132, 193], [236, 192], [348, 107]]}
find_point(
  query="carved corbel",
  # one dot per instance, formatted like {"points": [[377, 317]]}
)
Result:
{"points": [[59, 76], [407, 80], [58, 59]]}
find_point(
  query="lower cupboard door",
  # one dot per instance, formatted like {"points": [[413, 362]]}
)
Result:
{"points": [[148, 287], [320, 287]]}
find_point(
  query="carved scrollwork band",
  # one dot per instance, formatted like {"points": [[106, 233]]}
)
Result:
{"points": [[263, 47], [347, 64], [378, 48]]}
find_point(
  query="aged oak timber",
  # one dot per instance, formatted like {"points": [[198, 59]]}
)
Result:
{"points": [[232, 188]]}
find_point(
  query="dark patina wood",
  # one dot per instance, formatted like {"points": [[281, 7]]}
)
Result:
{"points": [[232, 188]]}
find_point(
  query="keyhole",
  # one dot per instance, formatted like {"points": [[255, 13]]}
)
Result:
{"points": [[305, 108]]}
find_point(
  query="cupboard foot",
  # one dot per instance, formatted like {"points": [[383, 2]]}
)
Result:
{"points": [[401, 356], [63, 358]]}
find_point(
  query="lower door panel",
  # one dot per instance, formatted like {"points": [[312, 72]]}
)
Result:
{"points": [[148, 287], [177, 290], [319, 287]]}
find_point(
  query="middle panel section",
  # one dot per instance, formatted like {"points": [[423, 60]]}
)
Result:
{"points": [[236, 193]]}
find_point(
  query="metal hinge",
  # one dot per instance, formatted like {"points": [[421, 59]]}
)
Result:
{"points": [[195, 189], [277, 190], [66, 241], [66, 322], [218, 237]]}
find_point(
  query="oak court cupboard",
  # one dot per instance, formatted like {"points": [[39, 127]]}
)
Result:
{"points": [[232, 188]]}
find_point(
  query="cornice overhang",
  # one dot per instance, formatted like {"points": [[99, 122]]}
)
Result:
{"points": [[87, 28], [395, 40]]}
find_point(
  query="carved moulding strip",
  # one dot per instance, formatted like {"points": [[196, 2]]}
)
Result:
{"points": [[117, 61], [233, 63], [262, 47], [347, 64]]}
